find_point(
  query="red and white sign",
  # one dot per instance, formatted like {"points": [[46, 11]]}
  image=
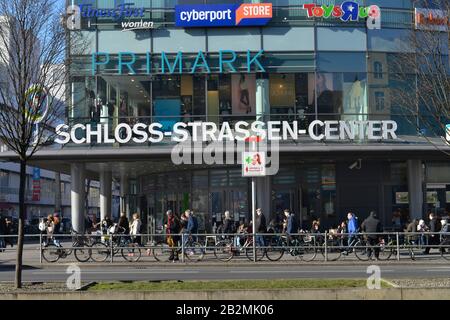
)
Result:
{"points": [[254, 164]]}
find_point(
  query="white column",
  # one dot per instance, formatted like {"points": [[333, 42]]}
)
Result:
{"points": [[78, 190], [262, 99], [124, 207], [415, 188], [105, 194]]}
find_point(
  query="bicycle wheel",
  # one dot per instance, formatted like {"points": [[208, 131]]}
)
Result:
{"points": [[131, 253], [51, 253], [445, 249], [334, 251], [307, 251], [194, 251], [224, 251], [386, 251], [99, 252], [361, 250], [260, 253], [82, 253], [275, 250], [161, 252]]}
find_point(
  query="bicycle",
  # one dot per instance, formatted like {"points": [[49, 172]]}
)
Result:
{"points": [[360, 247], [302, 247], [225, 250], [51, 252], [445, 249]]}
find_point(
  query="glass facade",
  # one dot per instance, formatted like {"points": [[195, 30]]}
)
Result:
{"points": [[315, 69]]}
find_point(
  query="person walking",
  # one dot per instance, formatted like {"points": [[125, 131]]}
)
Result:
{"points": [[172, 230], [434, 229], [371, 226], [227, 227], [260, 227], [124, 224], [352, 229], [135, 230]]}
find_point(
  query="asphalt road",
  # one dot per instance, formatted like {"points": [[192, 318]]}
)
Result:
{"points": [[216, 272]]}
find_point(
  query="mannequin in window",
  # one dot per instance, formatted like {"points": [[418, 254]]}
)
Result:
{"points": [[244, 95]]}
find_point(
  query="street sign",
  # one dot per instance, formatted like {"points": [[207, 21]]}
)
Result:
{"points": [[254, 164]]}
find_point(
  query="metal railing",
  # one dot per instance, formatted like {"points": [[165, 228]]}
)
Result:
{"points": [[185, 247]]}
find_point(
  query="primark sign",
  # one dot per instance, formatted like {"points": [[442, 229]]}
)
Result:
{"points": [[142, 133]]}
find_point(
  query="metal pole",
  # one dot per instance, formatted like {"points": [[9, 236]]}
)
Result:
{"points": [[397, 236], [326, 246], [182, 247], [40, 248], [112, 247], [254, 217]]}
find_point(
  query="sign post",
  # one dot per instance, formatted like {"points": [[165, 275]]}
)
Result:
{"points": [[254, 165]]}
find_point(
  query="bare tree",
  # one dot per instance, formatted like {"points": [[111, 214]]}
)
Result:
{"points": [[32, 42], [424, 74]]}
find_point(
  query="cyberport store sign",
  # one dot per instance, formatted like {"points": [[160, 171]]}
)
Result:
{"points": [[223, 15]]}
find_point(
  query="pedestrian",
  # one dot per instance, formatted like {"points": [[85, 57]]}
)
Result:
{"points": [[341, 230], [260, 227], [2, 233], [124, 224], [411, 229], [291, 227], [433, 238], [9, 231], [352, 230], [397, 220], [183, 222], [444, 229], [241, 230], [228, 224], [172, 231], [135, 230], [56, 228], [422, 228], [372, 226]]}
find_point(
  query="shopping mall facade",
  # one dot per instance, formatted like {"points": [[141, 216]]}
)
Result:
{"points": [[190, 64]]}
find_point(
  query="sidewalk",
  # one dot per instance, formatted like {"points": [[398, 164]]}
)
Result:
{"points": [[31, 257]]}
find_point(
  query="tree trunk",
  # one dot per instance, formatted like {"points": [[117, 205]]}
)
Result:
{"points": [[22, 216]]}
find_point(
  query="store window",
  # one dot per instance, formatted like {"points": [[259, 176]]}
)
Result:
{"points": [[342, 94], [292, 95]]}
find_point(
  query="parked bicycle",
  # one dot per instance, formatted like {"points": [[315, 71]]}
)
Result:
{"points": [[302, 247], [226, 249]]}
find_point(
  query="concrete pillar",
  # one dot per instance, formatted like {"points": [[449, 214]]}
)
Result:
{"points": [[264, 196], [415, 188], [78, 190], [105, 194], [124, 190], [58, 207]]}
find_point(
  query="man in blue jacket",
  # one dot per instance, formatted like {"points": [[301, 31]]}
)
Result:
{"points": [[192, 225], [352, 229]]}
